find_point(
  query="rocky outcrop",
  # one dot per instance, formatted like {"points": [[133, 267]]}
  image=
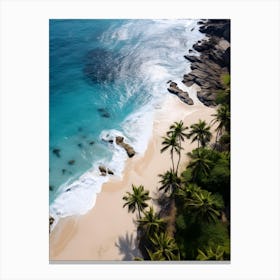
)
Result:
{"points": [[213, 61], [183, 95], [102, 170], [129, 150], [56, 152], [51, 221], [110, 172]]}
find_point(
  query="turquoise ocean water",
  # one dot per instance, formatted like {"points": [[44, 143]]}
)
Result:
{"points": [[107, 77]]}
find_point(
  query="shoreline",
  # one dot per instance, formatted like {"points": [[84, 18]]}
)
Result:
{"points": [[108, 231]]}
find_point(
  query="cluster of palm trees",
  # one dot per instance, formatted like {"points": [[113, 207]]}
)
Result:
{"points": [[157, 245], [202, 204]]}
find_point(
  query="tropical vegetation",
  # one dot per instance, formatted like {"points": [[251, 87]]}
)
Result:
{"points": [[193, 220]]}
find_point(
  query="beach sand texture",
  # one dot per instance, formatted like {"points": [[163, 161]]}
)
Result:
{"points": [[108, 232]]}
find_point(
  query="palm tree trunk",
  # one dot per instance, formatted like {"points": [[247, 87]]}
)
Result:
{"points": [[172, 159], [179, 159], [139, 213]]}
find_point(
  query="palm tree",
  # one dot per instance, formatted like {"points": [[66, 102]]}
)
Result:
{"points": [[200, 132], [151, 222], [211, 254], [222, 117], [178, 130], [165, 247], [204, 205], [170, 182], [137, 199], [199, 164], [171, 142]]}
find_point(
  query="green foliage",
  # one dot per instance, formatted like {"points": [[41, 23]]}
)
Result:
{"points": [[171, 142], [222, 117], [226, 80], [191, 236], [170, 182], [178, 131], [151, 223], [186, 176], [200, 132], [165, 247], [217, 253], [223, 96], [137, 199], [200, 163], [204, 205]]}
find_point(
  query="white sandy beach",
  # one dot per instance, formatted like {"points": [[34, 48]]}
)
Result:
{"points": [[108, 231]]}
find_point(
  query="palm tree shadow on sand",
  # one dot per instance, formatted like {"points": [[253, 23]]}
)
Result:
{"points": [[128, 247]]}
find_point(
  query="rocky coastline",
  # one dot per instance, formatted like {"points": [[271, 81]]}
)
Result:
{"points": [[212, 62]]}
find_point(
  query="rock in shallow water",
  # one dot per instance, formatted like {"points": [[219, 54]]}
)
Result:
{"points": [[129, 150], [71, 162], [56, 152]]}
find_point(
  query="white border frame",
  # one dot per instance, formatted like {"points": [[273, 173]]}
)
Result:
{"points": [[24, 137]]}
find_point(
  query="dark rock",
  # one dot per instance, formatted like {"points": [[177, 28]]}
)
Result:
{"points": [[192, 58], [111, 141], [102, 169], [80, 145], [51, 221], [105, 115], [192, 29], [220, 28], [103, 112], [183, 95], [110, 171], [68, 190], [190, 50], [50, 188], [188, 83], [129, 150], [56, 152], [119, 140], [200, 47], [92, 142], [71, 162], [169, 81]]}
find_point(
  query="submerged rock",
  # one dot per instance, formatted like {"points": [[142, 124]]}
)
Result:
{"points": [[103, 112], [105, 115], [129, 150], [80, 145], [71, 162], [50, 188], [56, 152], [92, 142]]}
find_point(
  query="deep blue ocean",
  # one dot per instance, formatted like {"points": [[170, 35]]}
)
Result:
{"points": [[107, 77]]}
